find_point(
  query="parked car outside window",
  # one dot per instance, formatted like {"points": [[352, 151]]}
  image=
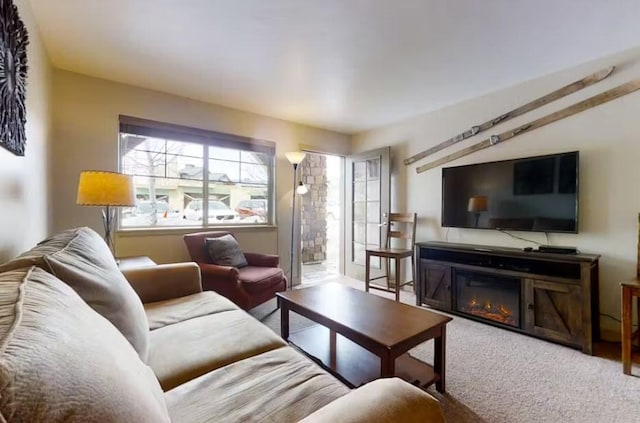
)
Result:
{"points": [[219, 212], [147, 213], [255, 209]]}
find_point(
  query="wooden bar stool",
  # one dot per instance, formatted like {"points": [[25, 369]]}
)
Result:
{"points": [[390, 252], [629, 290]]}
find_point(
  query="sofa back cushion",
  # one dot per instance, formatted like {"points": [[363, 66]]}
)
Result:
{"points": [[225, 251], [62, 361], [80, 258]]}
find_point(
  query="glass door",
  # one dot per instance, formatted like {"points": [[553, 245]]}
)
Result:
{"points": [[368, 189]]}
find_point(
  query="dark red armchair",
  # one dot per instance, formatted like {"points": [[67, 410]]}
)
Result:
{"points": [[248, 286]]}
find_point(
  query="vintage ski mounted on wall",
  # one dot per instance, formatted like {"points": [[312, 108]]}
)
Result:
{"points": [[532, 105], [590, 102]]}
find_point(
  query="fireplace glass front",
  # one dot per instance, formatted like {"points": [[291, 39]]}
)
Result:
{"points": [[489, 297]]}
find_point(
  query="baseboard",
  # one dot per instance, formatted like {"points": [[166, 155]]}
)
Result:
{"points": [[610, 334]]}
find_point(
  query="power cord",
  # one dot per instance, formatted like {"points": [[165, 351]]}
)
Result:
{"points": [[614, 318], [518, 237], [546, 234]]}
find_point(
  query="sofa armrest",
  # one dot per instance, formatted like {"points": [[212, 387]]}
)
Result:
{"points": [[383, 400], [215, 271], [262, 260], [164, 281]]}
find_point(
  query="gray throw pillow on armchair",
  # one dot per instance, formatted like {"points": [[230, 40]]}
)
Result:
{"points": [[225, 251]]}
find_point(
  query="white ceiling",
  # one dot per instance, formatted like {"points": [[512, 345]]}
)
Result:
{"points": [[347, 65]]}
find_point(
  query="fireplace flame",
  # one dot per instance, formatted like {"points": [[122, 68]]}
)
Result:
{"points": [[501, 313], [504, 310]]}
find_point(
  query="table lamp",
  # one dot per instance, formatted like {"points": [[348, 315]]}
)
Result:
{"points": [[106, 189], [477, 204]]}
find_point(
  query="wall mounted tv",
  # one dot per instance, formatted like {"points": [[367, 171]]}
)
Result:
{"points": [[538, 194]]}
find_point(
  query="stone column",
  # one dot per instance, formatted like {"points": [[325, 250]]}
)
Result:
{"points": [[313, 172]]}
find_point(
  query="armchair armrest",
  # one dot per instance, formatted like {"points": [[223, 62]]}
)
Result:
{"points": [[165, 281], [383, 400], [262, 260], [223, 272]]}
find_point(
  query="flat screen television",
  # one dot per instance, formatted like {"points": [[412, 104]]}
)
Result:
{"points": [[538, 194]]}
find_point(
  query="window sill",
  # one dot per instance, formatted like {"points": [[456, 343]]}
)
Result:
{"points": [[133, 232]]}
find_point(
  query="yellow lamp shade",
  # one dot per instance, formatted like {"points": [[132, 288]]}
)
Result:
{"points": [[101, 188]]}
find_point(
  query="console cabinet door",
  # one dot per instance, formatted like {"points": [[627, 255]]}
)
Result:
{"points": [[554, 311], [436, 284]]}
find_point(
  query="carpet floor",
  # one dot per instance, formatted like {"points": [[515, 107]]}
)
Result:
{"points": [[495, 375]]}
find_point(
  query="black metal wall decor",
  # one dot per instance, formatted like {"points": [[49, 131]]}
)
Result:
{"points": [[13, 78]]}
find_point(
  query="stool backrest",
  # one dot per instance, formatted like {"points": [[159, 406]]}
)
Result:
{"points": [[401, 226]]}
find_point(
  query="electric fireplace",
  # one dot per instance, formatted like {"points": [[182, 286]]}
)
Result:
{"points": [[549, 296], [488, 297]]}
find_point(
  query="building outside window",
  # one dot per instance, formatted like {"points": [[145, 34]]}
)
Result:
{"points": [[176, 168]]}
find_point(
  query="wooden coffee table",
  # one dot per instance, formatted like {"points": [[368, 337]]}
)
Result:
{"points": [[363, 336]]}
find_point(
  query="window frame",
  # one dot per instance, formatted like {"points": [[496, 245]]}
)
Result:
{"points": [[206, 138]]}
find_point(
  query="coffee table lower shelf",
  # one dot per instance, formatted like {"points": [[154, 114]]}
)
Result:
{"points": [[353, 364]]}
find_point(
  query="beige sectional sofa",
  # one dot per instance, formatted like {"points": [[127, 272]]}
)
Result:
{"points": [[81, 342]]}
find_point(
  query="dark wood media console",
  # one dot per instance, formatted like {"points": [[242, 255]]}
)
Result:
{"points": [[550, 296]]}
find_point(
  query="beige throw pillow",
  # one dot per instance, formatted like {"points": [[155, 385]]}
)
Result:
{"points": [[80, 258], [60, 361]]}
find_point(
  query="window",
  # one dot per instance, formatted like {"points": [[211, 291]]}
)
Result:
{"points": [[175, 168]]}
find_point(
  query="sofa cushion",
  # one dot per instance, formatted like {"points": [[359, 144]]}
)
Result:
{"points": [[225, 251], [186, 350], [276, 386], [80, 258], [257, 279], [383, 400], [62, 361], [169, 312]]}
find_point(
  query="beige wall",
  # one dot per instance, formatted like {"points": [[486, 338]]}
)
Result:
{"points": [[85, 121], [23, 180], [607, 137]]}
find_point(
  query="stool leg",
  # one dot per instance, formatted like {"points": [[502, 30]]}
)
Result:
{"points": [[366, 272], [413, 273], [626, 330], [398, 261], [637, 320], [387, 271]]}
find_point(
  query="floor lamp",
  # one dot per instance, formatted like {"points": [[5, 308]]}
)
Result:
{"points": [[294, 157], [106, 189]]}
